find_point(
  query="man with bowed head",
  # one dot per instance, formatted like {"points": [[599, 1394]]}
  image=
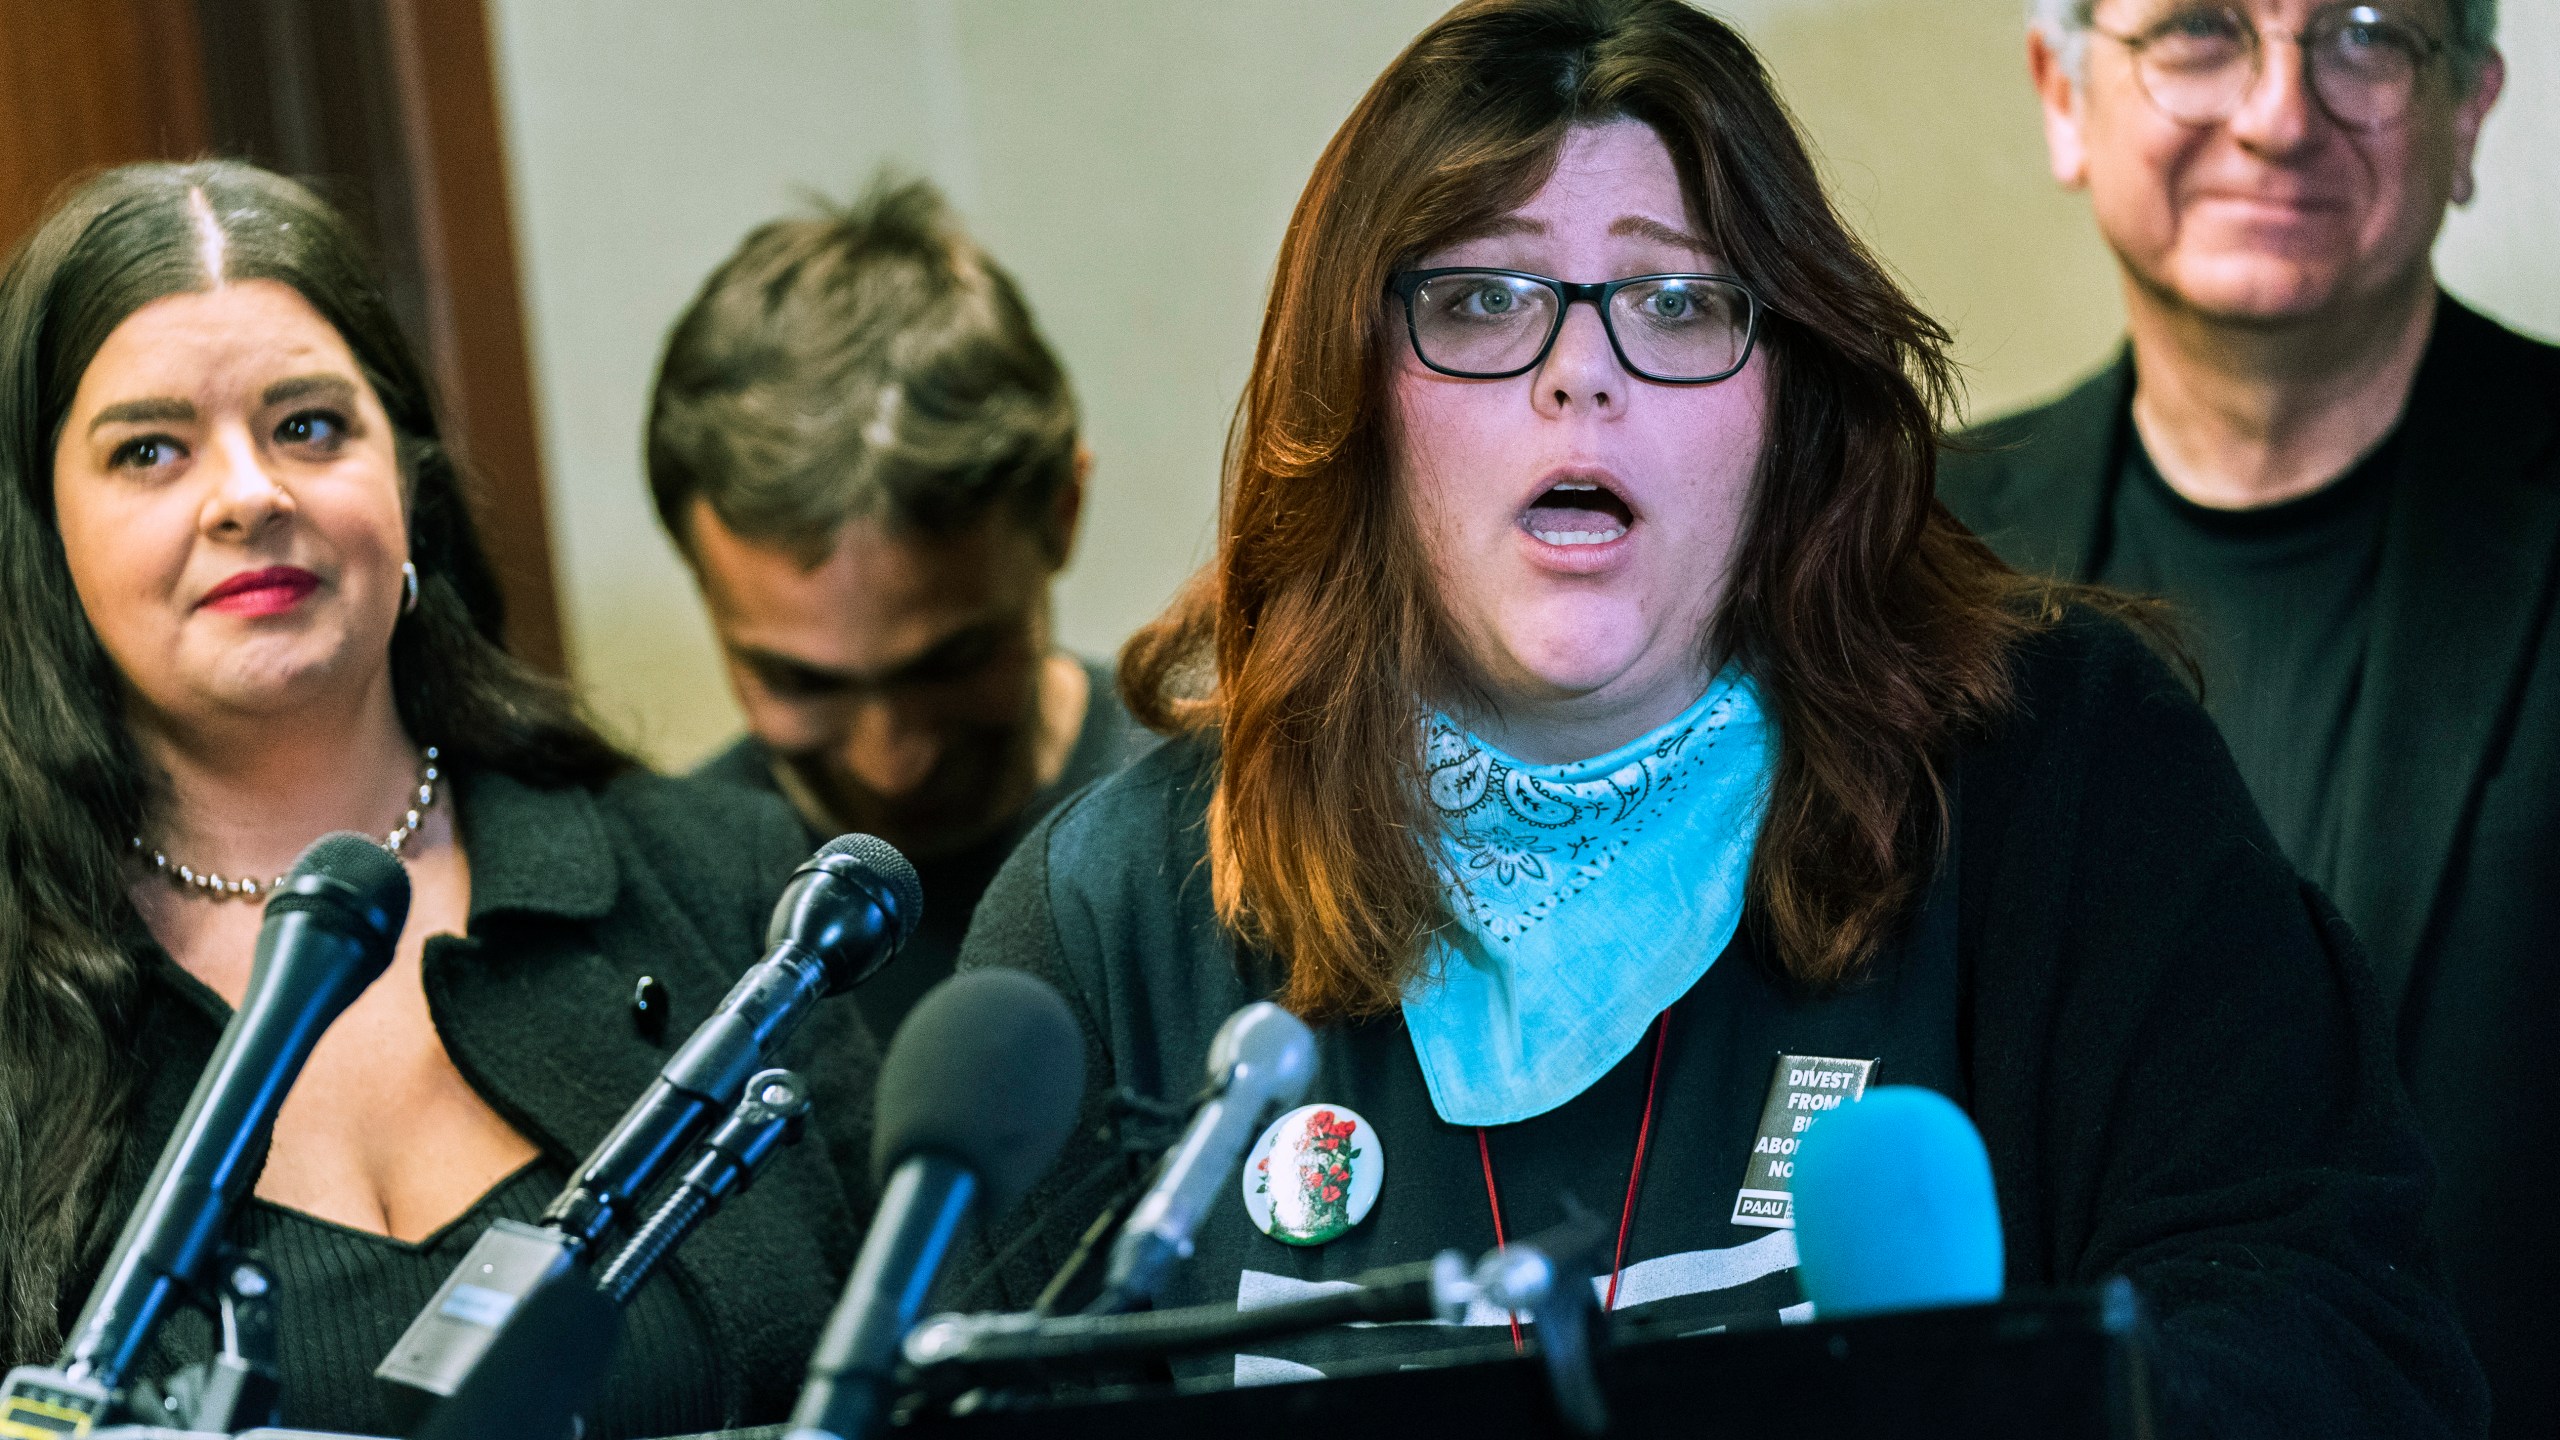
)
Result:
{"points": [[869, 458], [2348, 485]]}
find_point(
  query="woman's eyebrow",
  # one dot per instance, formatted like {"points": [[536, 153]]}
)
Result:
{"points": [[1499, 225], [143, 412], [303, 387], [1639, 225]]}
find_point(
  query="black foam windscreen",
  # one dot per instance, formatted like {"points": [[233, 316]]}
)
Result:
{"points": [[376, 892], [883, 860], [988, 1070]]}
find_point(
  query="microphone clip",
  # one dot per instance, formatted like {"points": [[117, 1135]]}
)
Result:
{"points": [[238, 1388], [772, 1114], [1552, 1275]]}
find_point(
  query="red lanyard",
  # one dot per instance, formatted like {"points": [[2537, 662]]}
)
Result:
{"points": [[1635, 1177]]}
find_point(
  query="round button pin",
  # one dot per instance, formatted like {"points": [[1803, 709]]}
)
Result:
{"points": [[1314, 1174]]}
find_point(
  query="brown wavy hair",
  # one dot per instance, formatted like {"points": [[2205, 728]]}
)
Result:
{"points": [[1876, 626]]}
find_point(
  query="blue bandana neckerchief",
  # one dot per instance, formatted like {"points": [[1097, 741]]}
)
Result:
{"points": [[1585, 899]]}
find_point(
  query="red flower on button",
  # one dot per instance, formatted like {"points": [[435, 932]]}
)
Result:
{"points": [[1320, 1150]]}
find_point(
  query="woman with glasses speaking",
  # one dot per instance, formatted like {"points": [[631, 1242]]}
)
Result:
{"points": [[1591, 723]]}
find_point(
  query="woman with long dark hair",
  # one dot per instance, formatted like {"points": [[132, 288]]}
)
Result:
{"points": [[244, 607], [1589, 711]]}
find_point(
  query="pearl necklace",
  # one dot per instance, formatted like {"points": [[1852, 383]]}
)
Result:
{"points": [[216, 888]]}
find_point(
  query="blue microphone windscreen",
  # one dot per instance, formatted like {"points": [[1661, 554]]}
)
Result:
{"points": [[1894, 1207]]}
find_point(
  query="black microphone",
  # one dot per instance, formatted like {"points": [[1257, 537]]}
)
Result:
{"points": [[1547, 1275], [1260, 1063], [950, 1353], [979, 1091], [330, 928], [773, 1114], [841, 917]]}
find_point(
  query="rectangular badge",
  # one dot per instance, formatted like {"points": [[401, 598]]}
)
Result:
{"points": [[1803, 1087]]}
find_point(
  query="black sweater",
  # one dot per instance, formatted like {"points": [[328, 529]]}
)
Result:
{"points": [[952, 883], [575, 895], [2169, 1042]]}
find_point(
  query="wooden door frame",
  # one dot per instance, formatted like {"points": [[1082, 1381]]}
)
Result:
{"points": [[446, 78], [392, 106]]}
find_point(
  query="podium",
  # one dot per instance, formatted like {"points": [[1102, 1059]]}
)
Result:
{"points": [[2062, 1366]]}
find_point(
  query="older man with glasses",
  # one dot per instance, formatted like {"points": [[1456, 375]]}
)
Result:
{"points": [[2348, 485]]}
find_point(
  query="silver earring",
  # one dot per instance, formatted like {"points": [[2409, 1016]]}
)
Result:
{"points": [[408, 586]]}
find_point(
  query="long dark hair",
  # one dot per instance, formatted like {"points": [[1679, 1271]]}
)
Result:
{"points": [[72, 784], [1876, 626]]}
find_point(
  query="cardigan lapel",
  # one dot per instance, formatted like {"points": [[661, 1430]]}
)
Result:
{"points": [[2468, 549], [534, 1003], [535, 851], [2052, 516]]}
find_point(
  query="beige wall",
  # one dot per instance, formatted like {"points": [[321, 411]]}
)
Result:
{"points": [[1932, 143], [1134, 161]]}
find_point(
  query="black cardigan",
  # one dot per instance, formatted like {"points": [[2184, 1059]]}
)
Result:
{"points": [[2169, 1042], [575, 895], [2450, 781]]}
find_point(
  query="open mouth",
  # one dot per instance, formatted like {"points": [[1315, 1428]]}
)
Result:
{"points": [[1577, 512]]}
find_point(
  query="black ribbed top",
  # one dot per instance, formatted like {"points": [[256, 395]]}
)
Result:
{"points": [[345, 1296]]}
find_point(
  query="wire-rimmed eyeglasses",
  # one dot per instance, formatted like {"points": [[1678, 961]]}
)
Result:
{"points": [[1481, 324], [2199, 63]]}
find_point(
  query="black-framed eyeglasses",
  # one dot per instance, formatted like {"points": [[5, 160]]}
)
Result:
{"points": [[1480, 324], [2200, 62]]}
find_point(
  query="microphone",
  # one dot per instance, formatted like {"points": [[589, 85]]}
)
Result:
{"points": [[978, 1093], [772, 1116], [1260, 1063], [1895, 1208], [841, 917], [953, 1352], [1548, 1275], [329, 929]]}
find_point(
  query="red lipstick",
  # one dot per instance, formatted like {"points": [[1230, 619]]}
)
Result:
{"points": [[271, 591]]}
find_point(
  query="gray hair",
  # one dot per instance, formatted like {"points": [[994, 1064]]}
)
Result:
{"points": [[2065, 26]]}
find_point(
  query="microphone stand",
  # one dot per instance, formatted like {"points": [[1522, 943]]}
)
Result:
{"points": [[841, 917], [541, 1390], [957, 1352], [239, 1388], [1549, 1276], [772, 1114], [1555, 1282]]}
